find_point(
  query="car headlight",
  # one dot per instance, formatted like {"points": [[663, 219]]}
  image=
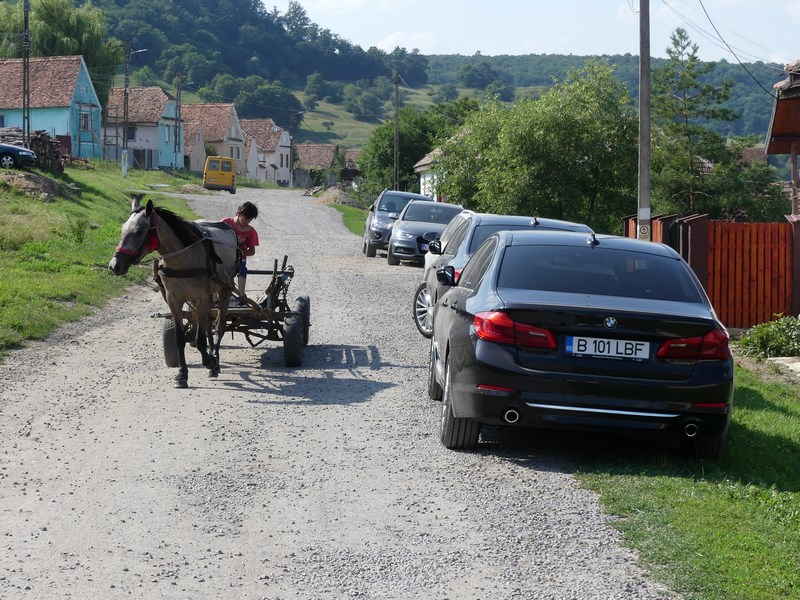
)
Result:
{"points": [[403, 235]]}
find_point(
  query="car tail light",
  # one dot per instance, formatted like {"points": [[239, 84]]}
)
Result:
{"points": [[711, 346], [457, 274], [498, 327]]}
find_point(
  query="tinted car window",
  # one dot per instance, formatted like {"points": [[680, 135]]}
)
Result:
{"points": [[454, 242], [482, 233], [431, 212], [476, 267], [596, 271], [394, 203]]}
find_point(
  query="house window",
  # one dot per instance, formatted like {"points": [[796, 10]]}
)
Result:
{"points": [[281, 160], [2, 120], [166, 134], [131, 133], [238, 152], [231, 151], [86, 122]]}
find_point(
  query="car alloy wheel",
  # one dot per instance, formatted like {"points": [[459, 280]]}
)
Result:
{"points": [[423, 310]]}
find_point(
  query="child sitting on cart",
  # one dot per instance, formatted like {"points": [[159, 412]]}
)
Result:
{"points": [[246, 236]]}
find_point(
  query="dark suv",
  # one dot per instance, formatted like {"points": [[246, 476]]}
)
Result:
{"points": [[382, 215], [459, 240]]}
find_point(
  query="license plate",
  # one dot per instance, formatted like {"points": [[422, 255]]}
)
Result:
{"points": [[424, 247], [603, 348]]}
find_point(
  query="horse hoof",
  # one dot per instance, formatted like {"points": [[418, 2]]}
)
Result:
{"points": [[213, 373], [181, 383]]}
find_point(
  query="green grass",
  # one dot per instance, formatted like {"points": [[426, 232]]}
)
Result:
{"points": [[54, 253], [726, 529], [353, 218]]}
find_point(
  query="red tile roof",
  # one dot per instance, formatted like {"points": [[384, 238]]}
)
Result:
{"points": [[145, 104], [191, 129], [316, 156], [351, 156], [52, 81], [215, 118], [265, 131]]}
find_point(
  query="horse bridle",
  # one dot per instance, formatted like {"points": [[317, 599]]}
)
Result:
{"points": [[151, 239]]}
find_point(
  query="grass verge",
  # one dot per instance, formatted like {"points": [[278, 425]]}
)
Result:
{"points": [[725, 529], [353, 218], [54, 250]]}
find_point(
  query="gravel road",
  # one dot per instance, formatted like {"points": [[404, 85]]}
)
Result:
{"points": [[326, 481]]}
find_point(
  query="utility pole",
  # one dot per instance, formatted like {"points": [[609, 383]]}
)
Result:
{"points": [[643, 230], [126, 94], [396, 130], [26, 70], [178, 82]]}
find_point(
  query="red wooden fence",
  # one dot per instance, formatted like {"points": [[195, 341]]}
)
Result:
{"points": [[747, 269]]}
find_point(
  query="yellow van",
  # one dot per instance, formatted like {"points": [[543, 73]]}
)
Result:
{"points": [[219, 174]]}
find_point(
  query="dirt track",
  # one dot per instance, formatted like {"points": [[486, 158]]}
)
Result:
{"points": [[326, 481]]}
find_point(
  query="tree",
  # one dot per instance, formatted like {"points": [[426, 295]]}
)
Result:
{"points": [[696, 169], [59, 28], [571, 154]]}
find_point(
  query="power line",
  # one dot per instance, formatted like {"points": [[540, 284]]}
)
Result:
{"points": [[732, 52]]}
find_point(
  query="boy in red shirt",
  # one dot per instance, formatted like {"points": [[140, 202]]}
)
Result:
{"points": [[246, 236]]}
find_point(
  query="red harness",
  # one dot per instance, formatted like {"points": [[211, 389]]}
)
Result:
{"points": [[152, 242]]}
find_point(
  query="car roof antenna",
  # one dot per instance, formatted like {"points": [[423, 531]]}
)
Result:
{"points": [[536, 221], [592, 240]]}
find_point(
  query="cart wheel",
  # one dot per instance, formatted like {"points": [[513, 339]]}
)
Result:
{"points": [[303, 306], [293, 342], [171, 356]]}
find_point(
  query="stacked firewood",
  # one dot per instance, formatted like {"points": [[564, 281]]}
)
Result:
{"points": [[48, 150]]}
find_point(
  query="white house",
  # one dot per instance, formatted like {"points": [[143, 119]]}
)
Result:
{"points": [[274, 149]]}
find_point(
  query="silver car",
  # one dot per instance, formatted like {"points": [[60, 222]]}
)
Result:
{"points": [[381, 217], [419, 223]]}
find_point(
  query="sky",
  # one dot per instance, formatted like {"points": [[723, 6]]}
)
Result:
{"points": [[764, 30]]}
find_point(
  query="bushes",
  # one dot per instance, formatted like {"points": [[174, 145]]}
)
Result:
{"points": [[776, 338]]}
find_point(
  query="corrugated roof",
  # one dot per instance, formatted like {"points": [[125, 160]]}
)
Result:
{"points": [[214, 116], [316, 156], [265, 131], [145, 104], [52, 81]]}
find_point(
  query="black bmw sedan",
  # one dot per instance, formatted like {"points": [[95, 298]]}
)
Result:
{"points": [[580, 331]]}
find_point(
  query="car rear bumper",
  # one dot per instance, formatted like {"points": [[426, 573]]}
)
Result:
{"points": [[491, 393]]}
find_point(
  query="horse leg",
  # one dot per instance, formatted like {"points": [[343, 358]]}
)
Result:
{"points": [[182, 378], [205, 342]]}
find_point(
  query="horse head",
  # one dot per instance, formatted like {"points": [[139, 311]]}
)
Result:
{"points": [[138, 237]]}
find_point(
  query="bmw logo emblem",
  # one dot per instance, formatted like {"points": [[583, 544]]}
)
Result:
{"points": [[610, 323]]}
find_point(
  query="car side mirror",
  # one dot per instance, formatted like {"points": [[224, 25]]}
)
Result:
{"points": [[394, 216], [435, 247], [372, 208], [429, 236], [446, 276]]}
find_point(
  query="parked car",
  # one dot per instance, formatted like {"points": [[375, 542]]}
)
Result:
{"points": [[420, 222], [458, 242], [380, 219], [16, 157], [575, 331]]}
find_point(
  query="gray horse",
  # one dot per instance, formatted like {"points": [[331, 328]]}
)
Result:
{"points": [[198, 261]]}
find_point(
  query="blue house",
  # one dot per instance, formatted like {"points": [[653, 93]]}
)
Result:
{"points": [[63, 101], [154, 133]]}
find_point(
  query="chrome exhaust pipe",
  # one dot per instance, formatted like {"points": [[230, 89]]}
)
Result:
{"points": [[691, 430], [511, 416]]}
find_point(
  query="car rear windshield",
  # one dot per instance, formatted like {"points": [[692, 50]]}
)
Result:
{"points": [[431, 212], [482, 233], [595, 270]]}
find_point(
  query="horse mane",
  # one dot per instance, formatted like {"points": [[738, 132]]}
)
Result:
{"points": [[186, 231]]}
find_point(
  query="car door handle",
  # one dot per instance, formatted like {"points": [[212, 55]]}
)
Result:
{"points": [[454, 305]]}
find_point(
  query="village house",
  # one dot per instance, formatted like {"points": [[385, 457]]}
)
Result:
{"points": [[273, 147], [194, 158], [63, 101], [221, 129], [316, 164], [154, 135]]}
